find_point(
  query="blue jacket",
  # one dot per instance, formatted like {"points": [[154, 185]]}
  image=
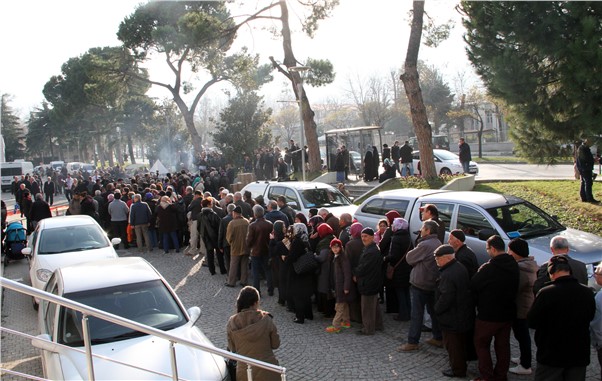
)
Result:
{"points": [[140, 213]]}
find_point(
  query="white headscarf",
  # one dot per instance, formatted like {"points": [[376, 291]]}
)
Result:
{"points": [[300, 230], [399, 224]]}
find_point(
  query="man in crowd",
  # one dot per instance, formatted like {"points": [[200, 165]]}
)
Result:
{"points": [[345, 221], [407, 160], [494, 288], [246, 208], [140, 218], [453, 308], [369, 278], [464, 254], [222, 243], [274, 214], [194, 208], [464, 154], [49, 190], [560, 315], [258, 240], [430, 212], [585, 166], [236, 235], [286, 209], [560, 246], [118, 210], [422, 279]]}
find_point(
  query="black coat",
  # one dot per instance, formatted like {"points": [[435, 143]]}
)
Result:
{"points": [[208, 227], [560, 315], [39, 210], [369, 271], [494, 288], [467, 257], [400, 243], [453, 302]]}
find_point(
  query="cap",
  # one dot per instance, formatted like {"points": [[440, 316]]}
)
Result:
{"points": [[519, 246], [238, 210], [336, 241], [368, 231], [459, 234], [444, 250]]}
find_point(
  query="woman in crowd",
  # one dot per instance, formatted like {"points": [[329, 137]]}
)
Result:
{"points": [[252, 333], [279, 250], [301, 286], [344, 288], [380, 230], [401, 242], [167, 220], [323, 254]]}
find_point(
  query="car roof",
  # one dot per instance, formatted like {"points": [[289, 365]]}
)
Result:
{"points": [[106, 273], [293, 184], [484, 199], [65, 221], [410, 192]]}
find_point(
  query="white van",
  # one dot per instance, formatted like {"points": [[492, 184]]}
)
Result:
{"points": [[57, 165], [8, 171]]}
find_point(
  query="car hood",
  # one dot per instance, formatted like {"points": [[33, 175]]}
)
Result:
{"points": [[148, 352], [585, 247]]}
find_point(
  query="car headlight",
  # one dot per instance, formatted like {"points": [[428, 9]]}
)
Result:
{"points": [[43, 275]]}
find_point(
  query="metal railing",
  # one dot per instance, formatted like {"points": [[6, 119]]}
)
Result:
{"points": [[90, 311]]}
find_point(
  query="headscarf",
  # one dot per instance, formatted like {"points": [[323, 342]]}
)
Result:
{"points": [[324, 230], [165, 202], [301, 217], [301, 232], [399, 224], [391, 215], [110, 197], [278, 230], [368, 148], [356, 229]]}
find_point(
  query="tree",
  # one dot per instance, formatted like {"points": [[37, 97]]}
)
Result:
{"points": [[436, 94], [543, 59], [40, 137], [286, 122], [194, 37], [242, 127], [12, 131], [372, 99]]}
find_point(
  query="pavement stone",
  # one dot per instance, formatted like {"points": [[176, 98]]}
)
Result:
{"points": [[307, 351]]}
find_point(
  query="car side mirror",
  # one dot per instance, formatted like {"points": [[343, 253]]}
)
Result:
{"points": [[115, 241], [26, 251], [484, 234], [194, 313]]}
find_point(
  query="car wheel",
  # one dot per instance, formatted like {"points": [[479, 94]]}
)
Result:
{"points": [[445, 171], [36, 306]]}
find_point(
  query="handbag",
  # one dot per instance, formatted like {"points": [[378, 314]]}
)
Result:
{"points": [[306, 263], [390, 271]]}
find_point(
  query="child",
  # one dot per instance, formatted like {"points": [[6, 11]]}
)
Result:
{"points": [[343, 287]]}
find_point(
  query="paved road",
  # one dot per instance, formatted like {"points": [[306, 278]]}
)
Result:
{"points": [[306, 351]]}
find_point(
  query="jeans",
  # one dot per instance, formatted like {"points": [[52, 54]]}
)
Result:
{"points": [[404, 303], [173, 236], [258, 264], [420, 299], [152, 237], [404, 168], [521, 334], [466, 166], [587, 182]]}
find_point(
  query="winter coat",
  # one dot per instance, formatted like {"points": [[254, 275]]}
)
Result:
{"points": [[464, 153], [167, 218], [524, 297], [208, 227], [369, 271], [400, 242], [467, 257], [578, 271], [258, 238], [39, 210], [343, 279], [252, 333], [236, 235], [560, 315], [494, 288], [222, 242], [424, 268], [324, 258], [453, 301], [333, 222], [140, 214], [354, 249]]}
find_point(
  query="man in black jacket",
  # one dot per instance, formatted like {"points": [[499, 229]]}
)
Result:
{"points": [[453, 308], [369, 278], [559, 246], [494, 288], [585, 165], [560, 315], [464, 254], [407, 160], [49, 191], [208, 224]]}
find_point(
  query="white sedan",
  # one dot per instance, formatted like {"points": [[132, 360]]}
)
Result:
{"points": [[63, 241], [446, 163], [133, 289]]}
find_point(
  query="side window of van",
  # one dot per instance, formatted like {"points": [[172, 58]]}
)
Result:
{"points": [[471, 221]]}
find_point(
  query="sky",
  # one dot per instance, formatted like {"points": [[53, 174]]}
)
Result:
{"points": [[362, 39]]}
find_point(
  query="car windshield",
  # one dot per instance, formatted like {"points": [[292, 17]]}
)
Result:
{"points": [[446, 155], [323, 197], [524, 220], [71, 238], [148, 303]]}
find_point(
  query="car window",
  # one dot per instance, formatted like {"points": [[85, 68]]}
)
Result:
{"points": [[323, 198], [274, 192], [524, 219], [471, 221], [71, 238], [291, 198], [381, 206], [148, 303], [445, 212]]}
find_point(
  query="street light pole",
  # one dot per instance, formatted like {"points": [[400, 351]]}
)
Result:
{"points": [[299, 86]]}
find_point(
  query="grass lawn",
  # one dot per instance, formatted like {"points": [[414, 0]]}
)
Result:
{"points": [[560, 198]]}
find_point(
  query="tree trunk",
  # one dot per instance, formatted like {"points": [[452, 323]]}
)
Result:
{"points": [[309, 124], [422, 128], [131, 148], [197, 141]]}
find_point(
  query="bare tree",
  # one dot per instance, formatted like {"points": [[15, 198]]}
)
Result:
{"points": [[372, 98]]}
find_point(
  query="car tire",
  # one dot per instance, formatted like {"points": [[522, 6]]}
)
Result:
{"points": [[445, 171]]}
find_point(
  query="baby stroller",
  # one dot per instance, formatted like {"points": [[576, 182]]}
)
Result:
{"points": [[14, 242]]}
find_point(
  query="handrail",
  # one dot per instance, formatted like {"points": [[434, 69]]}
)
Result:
{"points": [[86, 310]]}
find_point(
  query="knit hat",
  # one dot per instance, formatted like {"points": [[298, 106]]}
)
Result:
{"points": [[519, 246], [459, 234], [391, 215], [336, 241], [444, 250], [148, 196], [324, 230], [368, 231]]}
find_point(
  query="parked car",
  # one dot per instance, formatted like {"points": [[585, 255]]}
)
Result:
{"points": [[303, 195], [480, 215], [63, 241], [133, 289], [446, 163]]}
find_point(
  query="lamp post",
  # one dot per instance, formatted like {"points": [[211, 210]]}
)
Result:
{"points": [[299, 85]]}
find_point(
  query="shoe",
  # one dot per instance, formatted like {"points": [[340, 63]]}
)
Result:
{"points": [[424, 328], [346, 325], [407, 347], [520, 370], [332, 329], [229, 285], [450, 373], [515, 360], [435, 343], [298, 321]]}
